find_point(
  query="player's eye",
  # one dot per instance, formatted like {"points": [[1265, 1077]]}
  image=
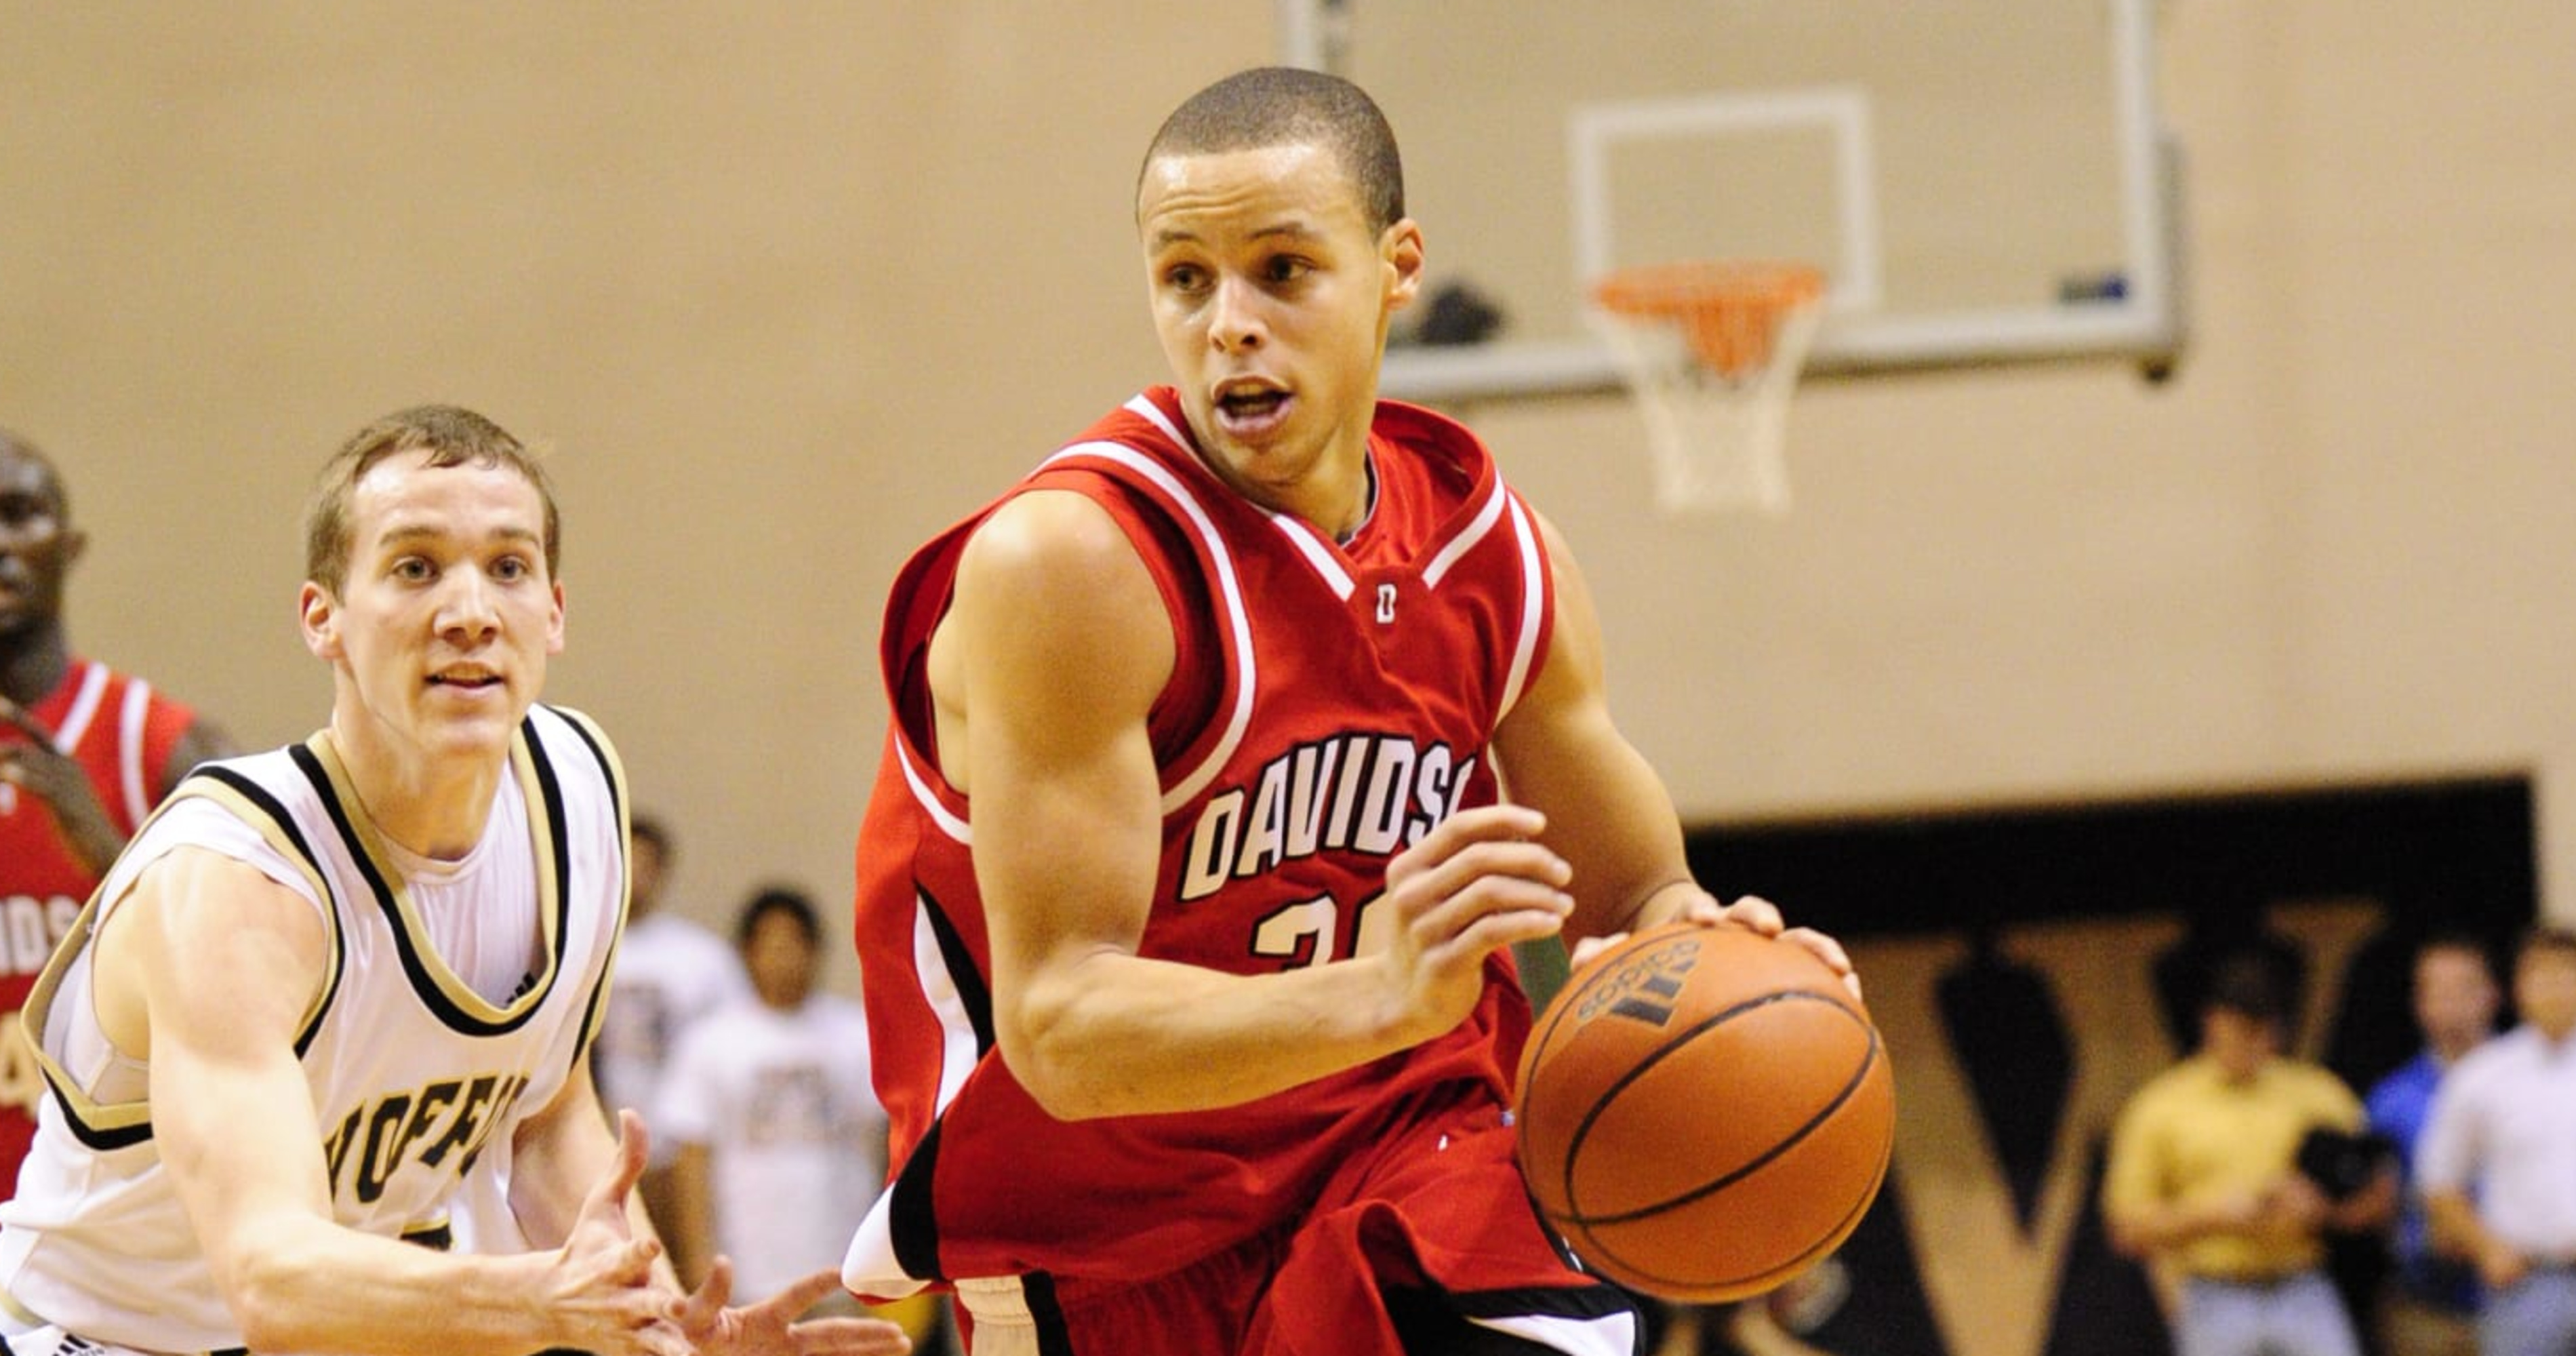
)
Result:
{"points": [[413, 569]]}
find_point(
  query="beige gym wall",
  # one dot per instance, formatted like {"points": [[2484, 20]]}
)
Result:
{"points": [[791, 286]]}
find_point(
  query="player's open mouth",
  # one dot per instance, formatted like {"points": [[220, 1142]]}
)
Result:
{"points": [[1251, 408], [472, 680]]}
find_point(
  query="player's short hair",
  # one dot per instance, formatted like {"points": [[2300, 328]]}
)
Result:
{"points": [[1286, 106], [781, 899], [453, 437]]}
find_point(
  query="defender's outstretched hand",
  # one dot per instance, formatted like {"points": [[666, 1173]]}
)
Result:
{"points": [[601, 1281], [770, 1327]]}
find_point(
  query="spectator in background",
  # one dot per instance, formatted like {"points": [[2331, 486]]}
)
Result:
{"points": [[781, 1143], [2498, 1160], [85, 753], [2429, 1308], [2204, 1182], [671, 971]]}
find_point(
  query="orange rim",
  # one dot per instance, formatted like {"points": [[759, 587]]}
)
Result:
{"points": [[1729, 309]]}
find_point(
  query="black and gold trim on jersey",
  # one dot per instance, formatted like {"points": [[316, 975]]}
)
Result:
{"points": [[440, 988], [437, 1235], [106, 1126], [615, 775]]}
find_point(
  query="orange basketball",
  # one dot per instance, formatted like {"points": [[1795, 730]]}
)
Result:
{"points": [[1705, 1112]]}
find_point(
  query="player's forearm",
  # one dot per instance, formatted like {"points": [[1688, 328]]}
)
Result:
{"points": [[1117, 1034], [1664, 902], [303, 1284], [1609, 815], [560, 1153]]}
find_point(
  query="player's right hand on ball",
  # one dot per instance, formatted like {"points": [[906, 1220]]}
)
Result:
{"points": [[1478, 881]]}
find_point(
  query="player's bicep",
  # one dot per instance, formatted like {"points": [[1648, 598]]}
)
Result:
{"points": [[222, 966], [1063, 645]]}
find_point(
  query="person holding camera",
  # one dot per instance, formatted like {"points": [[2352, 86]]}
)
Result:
{"points": [[2227, 1171]]}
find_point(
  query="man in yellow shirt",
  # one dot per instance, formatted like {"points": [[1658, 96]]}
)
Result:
{"points": [[2204, 1183]]}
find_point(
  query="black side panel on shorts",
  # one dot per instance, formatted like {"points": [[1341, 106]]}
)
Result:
{"points": [[1436, 1323]]}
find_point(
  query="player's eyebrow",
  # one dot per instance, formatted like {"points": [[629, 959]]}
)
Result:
{"points": [[401, 534], [1290, 230]]}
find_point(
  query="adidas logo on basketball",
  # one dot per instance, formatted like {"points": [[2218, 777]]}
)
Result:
{"points": [[1643, 989]]}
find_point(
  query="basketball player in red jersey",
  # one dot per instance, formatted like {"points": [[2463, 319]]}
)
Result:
{"points": [[1186, 890], [85, 753]]}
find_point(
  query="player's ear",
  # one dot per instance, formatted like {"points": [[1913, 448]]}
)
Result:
{"points": [[318, 613], [1399, 249], [555, 620]]}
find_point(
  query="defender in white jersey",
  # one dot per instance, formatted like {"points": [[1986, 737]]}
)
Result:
{"points": [[334, 1002]]}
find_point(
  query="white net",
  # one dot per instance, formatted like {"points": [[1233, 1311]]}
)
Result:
{"points": [[1712, 363]]}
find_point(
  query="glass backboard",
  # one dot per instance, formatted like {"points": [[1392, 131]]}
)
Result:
{"points": [[1983, 182]]}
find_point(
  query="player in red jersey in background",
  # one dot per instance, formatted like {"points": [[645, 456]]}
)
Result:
{"points": [[85, 753], [1186, 889]]}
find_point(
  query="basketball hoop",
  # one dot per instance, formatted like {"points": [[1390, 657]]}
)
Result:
{"points": [[1711, 350]]}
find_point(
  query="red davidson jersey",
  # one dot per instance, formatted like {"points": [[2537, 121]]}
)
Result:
{"points": [[1330, 703], [121, 732]]}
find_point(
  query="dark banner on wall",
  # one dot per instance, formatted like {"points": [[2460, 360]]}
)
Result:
{"points": [[2031, 967]]}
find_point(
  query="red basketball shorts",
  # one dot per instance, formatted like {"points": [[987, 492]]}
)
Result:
{"points": [[1428, 1243]]}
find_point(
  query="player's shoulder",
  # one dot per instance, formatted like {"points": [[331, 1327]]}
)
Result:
{"points": [[1060, 564], [1426, 430], [568, 725], [1048, 528]]}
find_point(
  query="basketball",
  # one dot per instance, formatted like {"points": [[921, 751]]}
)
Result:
{"points": [[1704, 1112]]}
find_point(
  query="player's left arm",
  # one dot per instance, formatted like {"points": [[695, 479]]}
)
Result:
{"points": [[558, 1155], [563, 1154], [1608, 812]]}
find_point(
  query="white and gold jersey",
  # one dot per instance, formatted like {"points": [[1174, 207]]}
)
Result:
{"points": [[458, 1000]]}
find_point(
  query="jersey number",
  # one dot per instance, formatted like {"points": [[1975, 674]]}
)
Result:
{"points": [[1308, 932]]}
